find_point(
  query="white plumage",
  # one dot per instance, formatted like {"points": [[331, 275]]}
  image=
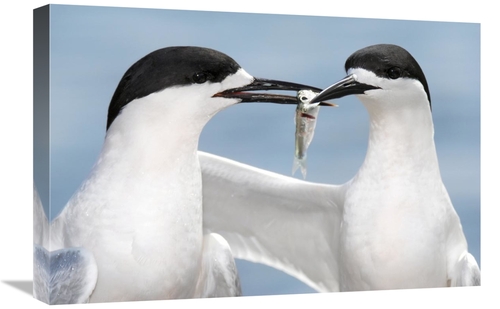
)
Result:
{"points": [[134, 227], [392, 226]]}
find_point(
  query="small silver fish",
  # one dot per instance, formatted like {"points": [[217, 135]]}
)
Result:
{"points": [[305, 121]]}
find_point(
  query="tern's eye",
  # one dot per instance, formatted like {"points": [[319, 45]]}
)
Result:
{"points": [[202, 77], [394, 73]]}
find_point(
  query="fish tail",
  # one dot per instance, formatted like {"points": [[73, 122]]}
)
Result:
{"points": [[302, 163]]}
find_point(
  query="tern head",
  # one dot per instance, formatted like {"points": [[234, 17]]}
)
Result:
{"points": [[195, 79], [382, 76]]}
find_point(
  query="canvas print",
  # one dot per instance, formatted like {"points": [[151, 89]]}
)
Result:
{"points": [[191, 154]]}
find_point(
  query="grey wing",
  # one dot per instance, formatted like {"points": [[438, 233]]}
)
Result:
{"points": [[219, 277], [66, 276], [279, 221]]}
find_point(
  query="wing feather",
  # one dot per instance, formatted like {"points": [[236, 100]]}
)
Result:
{"points": [[279, 221]]}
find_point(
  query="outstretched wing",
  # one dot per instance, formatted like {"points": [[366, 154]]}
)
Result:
{"points": [[279, 221]]}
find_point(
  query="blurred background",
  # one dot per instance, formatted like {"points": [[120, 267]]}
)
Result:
{"points": [[92, 47]]}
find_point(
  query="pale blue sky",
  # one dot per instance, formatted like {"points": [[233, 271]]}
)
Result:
{"points": [[91, 48]]}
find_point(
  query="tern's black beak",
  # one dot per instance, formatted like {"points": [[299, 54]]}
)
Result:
{"points": [[342, 88], [267, 84]]}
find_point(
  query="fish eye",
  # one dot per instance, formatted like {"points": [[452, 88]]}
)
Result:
{"points": [[394, 73]]}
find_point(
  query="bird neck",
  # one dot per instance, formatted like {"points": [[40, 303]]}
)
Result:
{"points": [[154, 132], [401, 141]]}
